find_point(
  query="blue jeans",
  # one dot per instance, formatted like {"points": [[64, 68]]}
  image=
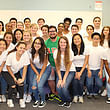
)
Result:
{"points": [[3, 84], [40, 86], [64, 92], [28, 80], [78, 84], [94, 83]]}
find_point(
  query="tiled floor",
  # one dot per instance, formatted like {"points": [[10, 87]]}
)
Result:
{"points": [[89, 104]]}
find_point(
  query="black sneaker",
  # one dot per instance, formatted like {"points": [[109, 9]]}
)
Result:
{"points": [[61, 103], [36, 103], [51, 97], [108, 101], [57, 98], [42, 104], [67, 104]]}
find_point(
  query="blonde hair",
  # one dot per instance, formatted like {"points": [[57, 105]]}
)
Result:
{"points": [[34, 24]]}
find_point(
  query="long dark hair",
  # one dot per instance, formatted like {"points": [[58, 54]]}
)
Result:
{"points": [[2, 25], [8, 33], [4, 41], [21, 42], [42, 51], [74, 47], [14, 38]]}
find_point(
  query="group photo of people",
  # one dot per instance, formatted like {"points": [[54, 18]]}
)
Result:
{"points": [[63, 63]]}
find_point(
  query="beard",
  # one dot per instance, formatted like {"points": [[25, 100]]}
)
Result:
{"points": [[53, 37]]}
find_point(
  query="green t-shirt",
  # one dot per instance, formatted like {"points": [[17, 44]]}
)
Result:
{"points": [[51, 46]]}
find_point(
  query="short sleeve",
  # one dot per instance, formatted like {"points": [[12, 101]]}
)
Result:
{"points": [[26, 59], [55, 54], [9, 60], [4, 55], [86, 51], [71, 55], [104, 55]]}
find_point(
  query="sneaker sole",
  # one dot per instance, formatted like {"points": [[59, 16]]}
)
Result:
{"points": [[68, 106], [107, 102]]}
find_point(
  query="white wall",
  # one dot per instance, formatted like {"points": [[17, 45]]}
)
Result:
{"points": [[51, 17]]}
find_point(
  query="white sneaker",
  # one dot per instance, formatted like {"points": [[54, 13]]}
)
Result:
{"points": [[25, 97], [3, 98], [81, 99], [17, 96], [75, 100], [28, 99], [10, 103], [22, 103], [104, 93]]}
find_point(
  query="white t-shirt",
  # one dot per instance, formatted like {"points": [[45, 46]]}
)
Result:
{"points": [[98, 30], [87, 42], [79, 59], [36, 61], [69, 36], [17, 65], [39, 32], [95, 56], [106, 54], [3, 57], [62, 67], [82, 32], [11, 47], [105, 45]]}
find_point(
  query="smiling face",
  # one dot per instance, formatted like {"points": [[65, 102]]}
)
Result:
{"points": [[40, 23], [45, 31], [52, 33], [2, 46], [62, 43], [26, 36], [8, 38], [21, 49], [96, 40], [37, 44], [20, 25], [60, 27], [27, 23], [66, 24], [77, 40], [74, 30], [13, 23], [79, 23], [106, 31], [18, 35], [97, 22], [8, 27], [89, 30], [34, 29]]}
